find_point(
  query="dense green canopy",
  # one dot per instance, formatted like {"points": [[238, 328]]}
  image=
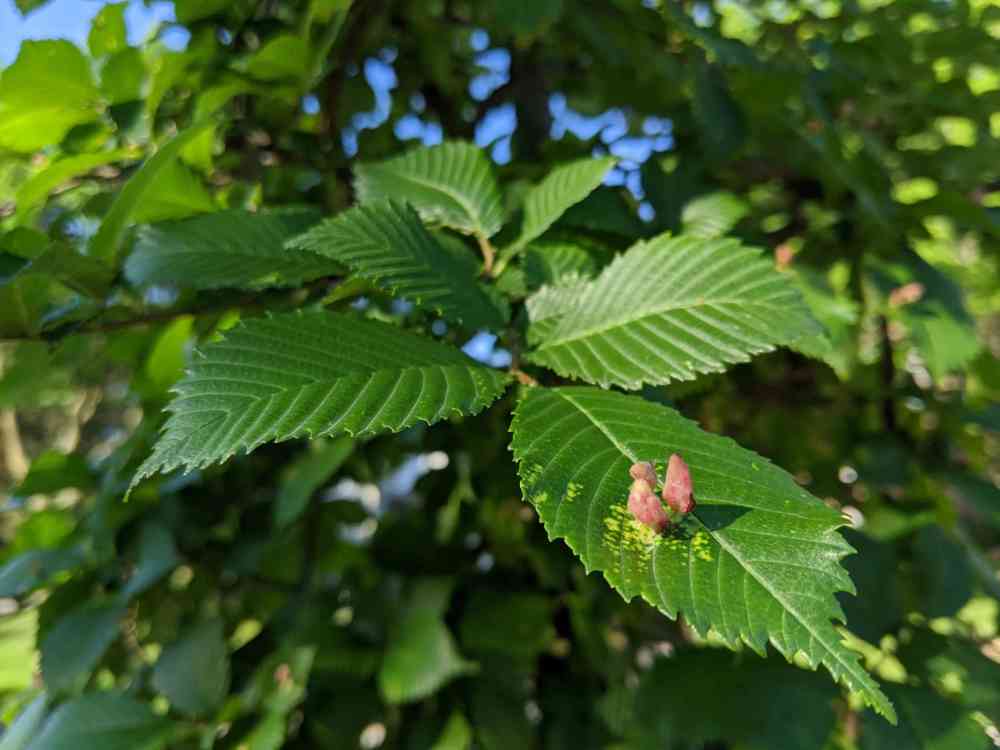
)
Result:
{"points": [[330, 330]]}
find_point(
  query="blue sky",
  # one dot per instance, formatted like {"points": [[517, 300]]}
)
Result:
{"points": [[70, 19]]}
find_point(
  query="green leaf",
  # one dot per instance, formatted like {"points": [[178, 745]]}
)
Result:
{"points": [[107, 32], [451, 184], [167, 358], [269, 734], [53, 471], [156, 556], [76, 642], [283, 57], [749, 703], [21, 731], [314, 374], [523, 18], [563, 187], [456, 735], [670, 309], [926, 722], [26, 6], [877, 609], [497, 707], [306, 475], [421, 655], [123, 76], [721, 123], [513, 624], [34, 191], [955, 666], [939, 325], [757, 560], [226, 249], [193, 672], [86, 275], [606, 211], [386, 244], [18, 659], [178, 193], [34, 568], [547, 307], [107, 241], [552, 262], [977, 494], [836, 312], [713, 215], [47, 91], [25, 303], [189, 11], [944, 575], [109, 721]]}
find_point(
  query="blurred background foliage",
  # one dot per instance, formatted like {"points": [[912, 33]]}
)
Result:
{"points": [[396, 591]]}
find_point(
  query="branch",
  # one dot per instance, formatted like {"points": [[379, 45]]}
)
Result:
{"points": [[888, 372], [94, 325], [352, 32]]}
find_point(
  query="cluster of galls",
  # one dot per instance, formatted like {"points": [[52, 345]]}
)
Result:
{"points": [[643, 503]]}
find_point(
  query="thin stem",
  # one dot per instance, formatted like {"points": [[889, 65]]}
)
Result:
{"points": [[522, 377], [505, 257], [489, 253]]}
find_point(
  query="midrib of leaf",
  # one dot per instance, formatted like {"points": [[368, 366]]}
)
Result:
{"points": [[280, 392], [624, 450], [852, 669], [678, 301], [649, 313], [313, 374]]}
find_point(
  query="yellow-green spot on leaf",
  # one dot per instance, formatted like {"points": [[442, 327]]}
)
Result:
{"points": [[621, 530], [573, 491], [701, 545]]}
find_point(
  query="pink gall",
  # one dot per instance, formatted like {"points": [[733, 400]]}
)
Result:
{"points": [[646, 507], [643, 470], [677, 488]]}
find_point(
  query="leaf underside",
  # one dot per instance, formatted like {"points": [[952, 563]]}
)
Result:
{"points": [[386, 243], [309, 375], [670, 309], [757, 561], [451, 184]]}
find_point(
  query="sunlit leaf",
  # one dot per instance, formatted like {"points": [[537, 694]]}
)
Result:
{"points": [[563, 187], [670, 309], [384, 242], [757, 561], [45, 92], [451, 184], [314, 374]]}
